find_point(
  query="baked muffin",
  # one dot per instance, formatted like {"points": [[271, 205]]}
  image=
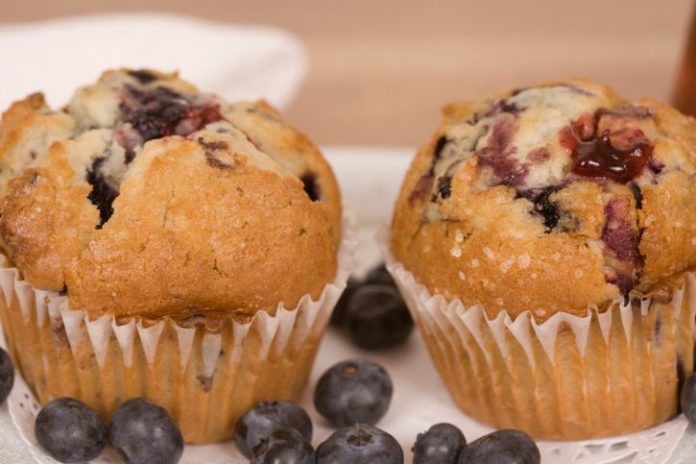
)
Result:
{"points": [[557, 222], [175, 228]]}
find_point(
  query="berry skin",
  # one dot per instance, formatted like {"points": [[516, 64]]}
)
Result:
{"points": [[70, 431], [501, 447], [160, 112], [353, 392], [441, 444], [379, 275], [688, 399], [360, 444], [284, 446], [377, 317], [265, 418], [6, 375], [338, 316], [144, 433]]}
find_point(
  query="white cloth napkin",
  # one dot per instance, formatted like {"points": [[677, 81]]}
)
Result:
{"points": [[236, 62]]}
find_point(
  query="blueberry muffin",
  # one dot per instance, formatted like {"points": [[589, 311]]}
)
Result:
{"points": [[562, 214], [145, 203]]}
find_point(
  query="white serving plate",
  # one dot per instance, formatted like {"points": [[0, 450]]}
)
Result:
{"points": [[370, 179]]}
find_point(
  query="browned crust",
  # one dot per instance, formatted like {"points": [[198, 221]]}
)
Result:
{"points": [[506, 261], [668, 216], [292, 149], [194, 228], [248, 240], [27, 129]]}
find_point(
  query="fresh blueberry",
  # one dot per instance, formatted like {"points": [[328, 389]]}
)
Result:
{"points": [[6, 375], [441, 444], [284, 446], [70, 431], [360, 444], [353, 392], [265, 418], [688, 399], [377, 317], [379, 275], [338, 317], [144, 433], [501, 447]]}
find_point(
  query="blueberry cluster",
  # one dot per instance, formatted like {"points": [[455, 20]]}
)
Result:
{"points": [[353, 396], [70, 431], [372, 312], [263, 420], [142, 432], [445, 444]]}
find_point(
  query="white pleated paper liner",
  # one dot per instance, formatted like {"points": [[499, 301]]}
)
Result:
{"points": [[608, 373], [205, 371], [409, 416]]}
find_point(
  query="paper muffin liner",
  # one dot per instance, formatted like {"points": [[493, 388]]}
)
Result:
{"points": [[206, 371], [613, 371]]}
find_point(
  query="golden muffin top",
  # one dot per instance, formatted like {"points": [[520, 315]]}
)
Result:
{"points": [[143, 196], [550, 198]]}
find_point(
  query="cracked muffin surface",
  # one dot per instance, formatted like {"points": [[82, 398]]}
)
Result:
{"points": [[143, 196], [550, 198]]}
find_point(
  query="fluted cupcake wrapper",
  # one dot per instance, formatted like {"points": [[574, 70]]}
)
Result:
{"points": [[610, 372], [206, 372]]}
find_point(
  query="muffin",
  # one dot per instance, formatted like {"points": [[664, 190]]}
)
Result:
{"points": [[165, 243], [545, 239]]}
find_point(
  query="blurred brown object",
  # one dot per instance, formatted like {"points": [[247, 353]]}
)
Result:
{"points": [[685, 93]]}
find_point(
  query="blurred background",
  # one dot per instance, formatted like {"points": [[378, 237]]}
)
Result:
{"points": [[379, 71]]}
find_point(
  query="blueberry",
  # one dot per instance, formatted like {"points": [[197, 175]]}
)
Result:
{"points": [[265, 418], [441, 444], [379, 275], [144, 433], [338, 316], [103, 193], [159, 112], [377, 317], [688, 399], [284, 446], [70, 431], [501, 447], [6, 375], [360, 444], [311, 186], [353, 391]]}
